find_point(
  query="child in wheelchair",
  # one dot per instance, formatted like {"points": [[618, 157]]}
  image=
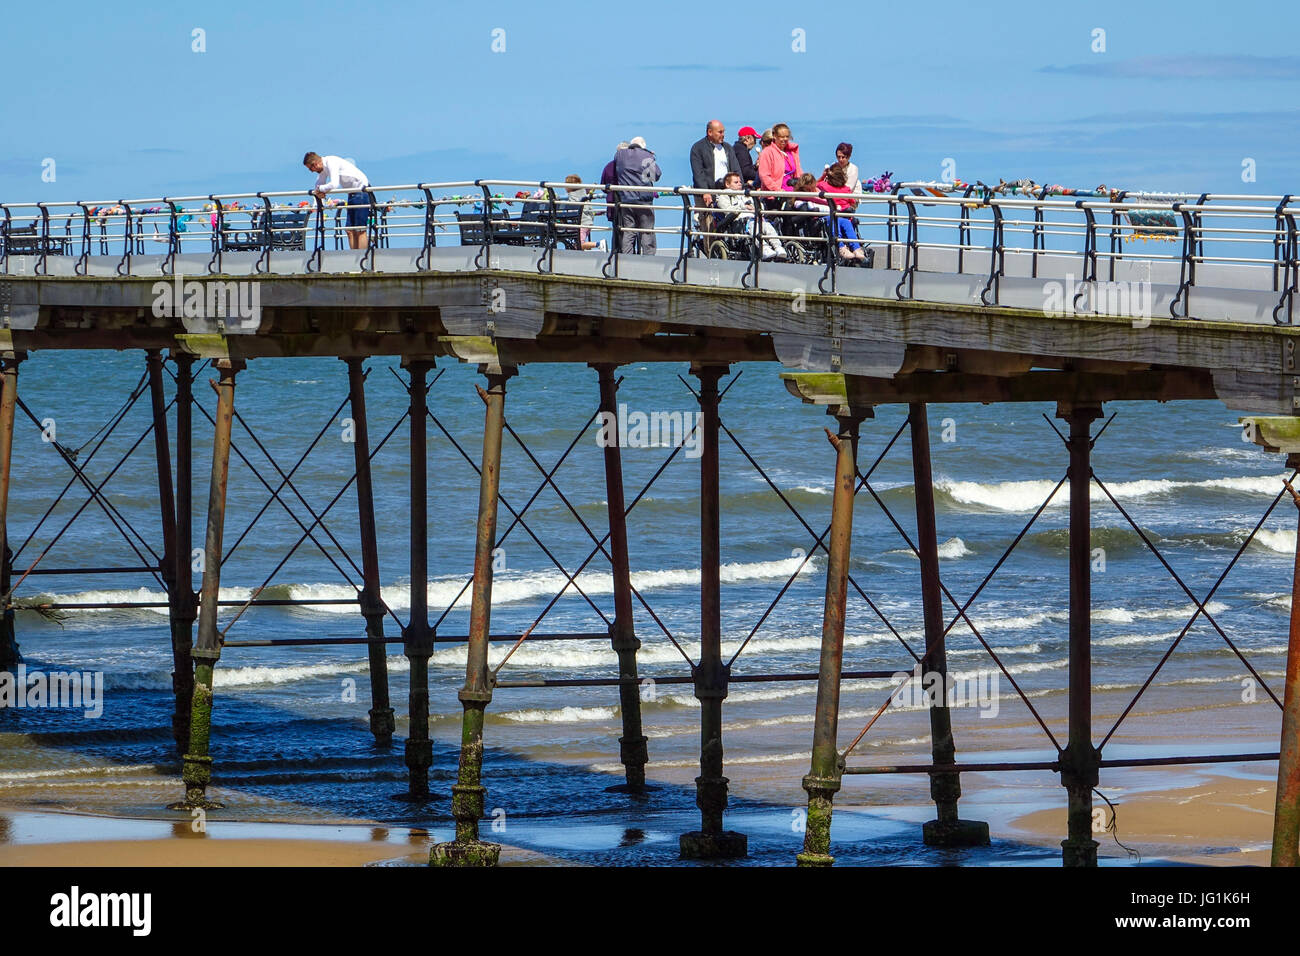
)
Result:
{"points": [[735, 216]]}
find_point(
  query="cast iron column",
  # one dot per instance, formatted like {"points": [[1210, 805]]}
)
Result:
{"points": [[183, 607], [197, 764], [418, 637], [622, 633], [9, 655], [1080, 770], [467, 795], [824, 777], [372, 609], [711, 674], [945, 788], [1286, 815]]}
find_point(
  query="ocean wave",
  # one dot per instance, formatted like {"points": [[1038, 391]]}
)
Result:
{"points": [[948, 550], [507, 587], [1025, 496]]}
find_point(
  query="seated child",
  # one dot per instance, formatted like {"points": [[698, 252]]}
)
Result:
{"points": [[834, 181], [743, 207]]}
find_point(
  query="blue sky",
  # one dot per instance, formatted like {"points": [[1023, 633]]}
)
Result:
{"points": [[115, 95]]}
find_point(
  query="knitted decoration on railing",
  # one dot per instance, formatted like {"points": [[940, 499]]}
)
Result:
{"points": [[1153, 224], [883, 183]]}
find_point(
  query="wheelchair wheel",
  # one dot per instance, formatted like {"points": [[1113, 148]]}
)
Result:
{"points": [[718, 250]]}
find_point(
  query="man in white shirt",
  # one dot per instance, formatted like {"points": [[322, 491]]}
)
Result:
{"points": [[334, 172]]}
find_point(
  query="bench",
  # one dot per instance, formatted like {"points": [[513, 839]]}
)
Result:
{"points": [[288, 229], [26, 241], [533, 227]]}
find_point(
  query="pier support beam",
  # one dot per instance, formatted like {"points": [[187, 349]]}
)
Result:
{"points": [[9, 655], [945, 788], [467, 795], [711, 841], [372, 609], [182, 608], [167, 566], [823, 780], [197, 763], [1286, 813], [1080, 761], [622, 633], [418, 636]]}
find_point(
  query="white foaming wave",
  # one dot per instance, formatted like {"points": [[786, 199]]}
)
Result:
{"points": [[1019, 649], [1283, 542], [695, 762], [251, 676], [950, 549], [18, 776], [565, 715], [1120, 615], [506, 588], [1125, 640], [1028, 495]]}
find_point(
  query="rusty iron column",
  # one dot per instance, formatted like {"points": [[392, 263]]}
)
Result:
{"points": [[197, 763], [711, 841], [167, 566], [467, 795], [372, 608], [622, 633], [418, 636], [182, 606], [945, 788], [9, 654], [1286, 813], [1080, 760], [826, 773]]}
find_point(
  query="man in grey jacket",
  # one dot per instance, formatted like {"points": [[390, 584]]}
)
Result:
{"points": [[636, 166], [712, 158]]}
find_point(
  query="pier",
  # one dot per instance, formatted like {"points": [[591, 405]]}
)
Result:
{"points": [[970, 298]]}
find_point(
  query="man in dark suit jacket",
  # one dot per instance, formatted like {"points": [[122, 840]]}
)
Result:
{"points": [[712, 158]]}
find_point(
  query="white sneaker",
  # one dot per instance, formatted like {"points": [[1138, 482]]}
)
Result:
{"points": [[602, 246]]}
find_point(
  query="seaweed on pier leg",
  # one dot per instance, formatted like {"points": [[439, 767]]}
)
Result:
{"points": [[197, 763], [467, 795], [824, 776]]}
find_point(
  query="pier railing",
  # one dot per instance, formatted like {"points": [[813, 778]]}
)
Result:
{"points": [[916, 237]]}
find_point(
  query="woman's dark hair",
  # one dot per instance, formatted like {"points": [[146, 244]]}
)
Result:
{"points": [[835, 176], [846, 149]]}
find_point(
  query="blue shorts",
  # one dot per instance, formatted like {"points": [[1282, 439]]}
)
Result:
{"points": [[358, 210]]}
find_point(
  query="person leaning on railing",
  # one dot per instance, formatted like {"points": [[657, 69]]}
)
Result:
{"points": [[334, 172]]}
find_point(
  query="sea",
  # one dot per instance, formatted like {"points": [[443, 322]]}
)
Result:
{"points": [[290, 739]]}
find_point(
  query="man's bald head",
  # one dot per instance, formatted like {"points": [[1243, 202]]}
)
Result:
{"points": [[714, 131]]}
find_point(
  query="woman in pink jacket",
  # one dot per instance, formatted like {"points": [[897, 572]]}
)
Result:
{"points": [[778, 164]]}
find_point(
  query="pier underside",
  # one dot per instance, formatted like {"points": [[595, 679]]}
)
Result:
{"points": [[849, 354]]}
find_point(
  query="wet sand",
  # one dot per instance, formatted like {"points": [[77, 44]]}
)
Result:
{"points": [[1223, 821]]}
